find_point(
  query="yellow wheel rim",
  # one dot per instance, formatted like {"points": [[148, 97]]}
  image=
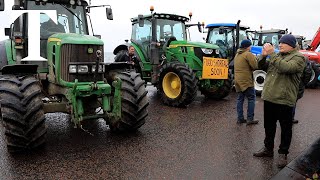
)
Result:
{"points": [[171, 84]]}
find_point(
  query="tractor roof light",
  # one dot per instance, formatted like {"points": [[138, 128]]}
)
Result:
{"points": [[151, 9], [190, 15]]}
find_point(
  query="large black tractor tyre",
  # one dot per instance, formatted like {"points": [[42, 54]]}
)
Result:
{"points": [[221, 92], [134, 102], [22, 112], [177, 84], [314, 77]]}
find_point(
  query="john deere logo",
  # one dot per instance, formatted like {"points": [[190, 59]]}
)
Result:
{"points": [[90, 50]]}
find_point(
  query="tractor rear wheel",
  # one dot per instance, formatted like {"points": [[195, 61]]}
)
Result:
{"points": [[22, 112], [134, 102], [177, 84], [222, 91]]}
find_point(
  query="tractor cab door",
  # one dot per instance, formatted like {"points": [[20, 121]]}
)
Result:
{"points": [[142, 37]]}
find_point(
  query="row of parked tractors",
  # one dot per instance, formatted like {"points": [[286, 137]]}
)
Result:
{"points": [[75, 79]]}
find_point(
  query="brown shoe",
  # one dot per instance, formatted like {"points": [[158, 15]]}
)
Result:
{"points": [[252, 122], [282, 161], [264, 152], [295, 121]]}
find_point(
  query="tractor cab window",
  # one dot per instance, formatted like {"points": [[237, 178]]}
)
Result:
{"points": [[167, 28], [243, 35], [142, 35], [69, 19], [223, 40], [270, 38]]}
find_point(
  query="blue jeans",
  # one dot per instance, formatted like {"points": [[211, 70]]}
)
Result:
{"points": [[250, 93]]}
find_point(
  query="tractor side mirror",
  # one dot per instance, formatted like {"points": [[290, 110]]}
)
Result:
{"points": [[1, 5], [199, 27], [140, 20], [109, 13], [7, 31]]}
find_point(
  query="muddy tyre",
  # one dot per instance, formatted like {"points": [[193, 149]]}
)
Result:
{"points": [[177, 84], [222, 91], [313, 83], [22, 112], [134, 102]]}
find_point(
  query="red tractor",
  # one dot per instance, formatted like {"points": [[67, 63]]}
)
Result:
{"points": [[314, 56]]}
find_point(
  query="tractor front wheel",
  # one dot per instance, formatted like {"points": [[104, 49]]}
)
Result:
{"points": [[177, 84], [134, 102], [22, 112]]}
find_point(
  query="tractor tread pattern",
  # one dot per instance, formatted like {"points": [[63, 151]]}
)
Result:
{"points": [[189, 84], [22, 112], [134, 102]]}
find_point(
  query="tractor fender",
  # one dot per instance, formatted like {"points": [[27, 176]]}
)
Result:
{"points": [[120, 48], [3, 55], [20, 69]]}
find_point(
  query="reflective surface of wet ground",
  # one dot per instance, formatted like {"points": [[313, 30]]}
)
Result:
{"points": [[202, 141]]}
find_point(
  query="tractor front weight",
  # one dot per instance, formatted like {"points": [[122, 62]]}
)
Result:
{"points": [[77, 94]]}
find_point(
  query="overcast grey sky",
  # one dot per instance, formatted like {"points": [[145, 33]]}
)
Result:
{"points": [[300, 17]]}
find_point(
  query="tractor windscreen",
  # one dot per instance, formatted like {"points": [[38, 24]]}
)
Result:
{"points": [[70, 20], [167, 28], [272, 38], [225, 38]]}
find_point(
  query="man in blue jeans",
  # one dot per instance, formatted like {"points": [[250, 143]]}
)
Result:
{"points": [[244, 65]]}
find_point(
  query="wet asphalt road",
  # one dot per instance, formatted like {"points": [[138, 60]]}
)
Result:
{"points": [[202, 141]]}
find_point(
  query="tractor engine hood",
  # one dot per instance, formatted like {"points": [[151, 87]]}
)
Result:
{"points": [[72, 38], [193, 44]]}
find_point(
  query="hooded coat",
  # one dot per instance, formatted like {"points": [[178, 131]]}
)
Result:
{"points": [[244, 65]]}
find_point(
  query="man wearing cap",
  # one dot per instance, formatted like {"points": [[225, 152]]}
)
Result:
{"points": [[244, 65], [280, 94]]}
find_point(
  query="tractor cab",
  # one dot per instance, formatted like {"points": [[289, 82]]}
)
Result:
{"points": [[227, 36], [271, 36], [160, 28]]}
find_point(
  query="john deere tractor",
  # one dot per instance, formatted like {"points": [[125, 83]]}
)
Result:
{"points": [[176, 66], [73, 80]]}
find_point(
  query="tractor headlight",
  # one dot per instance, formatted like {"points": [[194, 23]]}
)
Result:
{"points": [[217, 51], [72, 68], [207, 51], [100, 69], [83, 69]]}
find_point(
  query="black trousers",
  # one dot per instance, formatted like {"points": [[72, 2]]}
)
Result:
{"points": [[272, 113]]}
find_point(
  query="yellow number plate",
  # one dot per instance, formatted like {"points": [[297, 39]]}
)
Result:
{"points": [[215, 68]]}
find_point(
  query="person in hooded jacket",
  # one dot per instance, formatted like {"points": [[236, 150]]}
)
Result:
{"points": [[244, 65]]}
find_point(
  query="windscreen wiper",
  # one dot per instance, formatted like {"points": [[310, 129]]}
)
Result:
{"points": [[71, 12]]}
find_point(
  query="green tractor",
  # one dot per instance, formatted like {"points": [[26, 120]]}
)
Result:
{"points": [[176, 66], [73, 80]]}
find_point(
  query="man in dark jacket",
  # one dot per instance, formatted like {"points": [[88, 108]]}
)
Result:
{"points": [[280, 94], [244, 65]]}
